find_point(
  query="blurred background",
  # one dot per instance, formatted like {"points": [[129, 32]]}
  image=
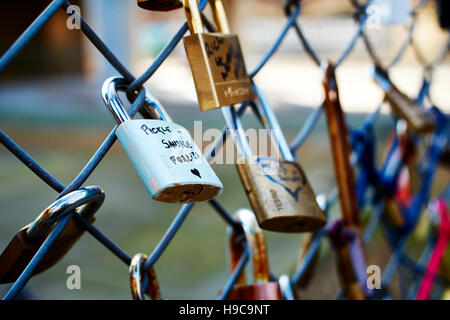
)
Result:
{"points": [[50, 104]]}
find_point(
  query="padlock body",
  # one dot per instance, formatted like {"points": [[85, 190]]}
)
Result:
{"points": [[19, 252], [160, 5], [218, 68], [168, 161], [280, 195], [404, 108], [259, 291]]}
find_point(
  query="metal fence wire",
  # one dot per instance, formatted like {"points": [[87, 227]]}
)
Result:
{"points": [[136, 94]]}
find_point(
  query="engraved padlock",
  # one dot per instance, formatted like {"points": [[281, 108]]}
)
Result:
{"points": [[402, 106], [278, 190], [163, 153], [160, 5], [261, 289], [22, 248], [216, 60], [138, 281]]}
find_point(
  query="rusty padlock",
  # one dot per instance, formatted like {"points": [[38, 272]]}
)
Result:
{"points": [[216, 60], [338, 135], [261, 289], [19, 252], [402, 106], [160, 5], [138, 281]]}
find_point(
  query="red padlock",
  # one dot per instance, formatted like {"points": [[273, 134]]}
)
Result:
{"points": [[261, 289]]}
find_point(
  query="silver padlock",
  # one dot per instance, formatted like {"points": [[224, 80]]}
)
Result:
{"points": [[163, 153]]}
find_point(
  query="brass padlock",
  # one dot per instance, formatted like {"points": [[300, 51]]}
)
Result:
{"points": [[402, 106], [262, 289], [280, 195], [137, 281], [160, 5], [278, 190], [19, 252], [216, 60]]}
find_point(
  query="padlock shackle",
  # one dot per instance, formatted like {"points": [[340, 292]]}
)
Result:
{"points": [[86, 201], [255, 238], [237, 132], [193, 16], [137, 281], [275, 128], [220, 16], [111, 98]]}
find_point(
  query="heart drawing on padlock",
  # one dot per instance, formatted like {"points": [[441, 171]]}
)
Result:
{"points": [[196, 172], [288, 174]]}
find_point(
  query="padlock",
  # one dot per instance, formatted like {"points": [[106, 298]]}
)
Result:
{"points": [[216, 60], [160, 5], [137, 280], [22, 248], [402, 106], [338, 135], [262, 289], [163, 153], [278, 190]]}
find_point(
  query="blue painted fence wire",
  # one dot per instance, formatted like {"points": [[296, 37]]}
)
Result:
{"points": [[136, 94]]}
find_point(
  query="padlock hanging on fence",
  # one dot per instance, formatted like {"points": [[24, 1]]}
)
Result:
{"points": [[349, 255], [163, 153], [216, 60], [278, 190], [25, 244], [402, 106], [262, 288]]}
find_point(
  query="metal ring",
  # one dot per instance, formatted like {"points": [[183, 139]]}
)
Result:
{"points": [[255, 239], [137, 279], [85, 200]]}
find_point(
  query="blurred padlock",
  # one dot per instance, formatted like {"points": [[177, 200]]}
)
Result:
{"points": [[160, 5], [216, 60], [402, 106], [163, 153], [340, 147], [440, 217], [138, 281], [262, 289], [22, 248]]}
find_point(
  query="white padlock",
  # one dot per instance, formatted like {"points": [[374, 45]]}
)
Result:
{"points": [[163, 153]]}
